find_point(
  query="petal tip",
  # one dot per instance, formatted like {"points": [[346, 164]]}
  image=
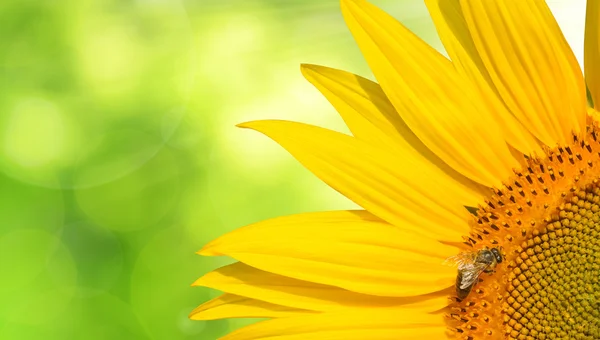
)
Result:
{"points": [[194, 314], [306, 69], [209, 250], [197, 314], [304, 66], [245, 125], [254, 124], [264, 125], [195, 284]]}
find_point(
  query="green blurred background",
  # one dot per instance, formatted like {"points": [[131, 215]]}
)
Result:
{"points": [[119, 157]]}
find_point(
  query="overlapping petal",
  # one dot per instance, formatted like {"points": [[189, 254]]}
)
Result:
{"points": [[363, 105], [531, 65], [389, 184], [440, 107], [371, 117], [454, 33], [229, 306], [243, 280], [350, 250], [350, 325], [592, 50]]}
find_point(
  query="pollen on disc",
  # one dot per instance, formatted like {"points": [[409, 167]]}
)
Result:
{"points": [[546, 221], [557, 289]]}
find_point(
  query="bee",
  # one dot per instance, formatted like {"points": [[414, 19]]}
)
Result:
{"points": [[471, 265]]}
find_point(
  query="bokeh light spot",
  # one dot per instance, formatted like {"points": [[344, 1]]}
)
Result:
{"points": [[227, 39], [136, 200], [35, 134], [118, 153], [110, 56]]}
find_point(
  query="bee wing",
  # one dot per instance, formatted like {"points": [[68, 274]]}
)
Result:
{"points": [[461, 259], [470, 273]]}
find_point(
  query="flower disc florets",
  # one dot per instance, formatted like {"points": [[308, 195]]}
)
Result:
{"points": [[547, 221]]}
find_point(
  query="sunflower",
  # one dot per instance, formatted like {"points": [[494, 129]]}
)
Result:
{"points": [[494, 147]]}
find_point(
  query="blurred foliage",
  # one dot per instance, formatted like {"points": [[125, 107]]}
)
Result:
{"points": [[119, 157]]}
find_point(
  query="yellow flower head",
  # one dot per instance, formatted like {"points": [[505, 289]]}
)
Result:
{"points": [[478, 176]]}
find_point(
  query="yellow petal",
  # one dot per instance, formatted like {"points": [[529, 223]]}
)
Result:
{"points": [[389, 184], [234, 306], [371, 117], [443, 109], [454, 33], [531, 65], [362, 104], [352, 325], [592, 50], [338, 249], [593, 116], [243, 280]]}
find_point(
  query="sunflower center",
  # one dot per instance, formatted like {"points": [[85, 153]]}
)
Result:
{"points": [[553, 291], [546, 221]]}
